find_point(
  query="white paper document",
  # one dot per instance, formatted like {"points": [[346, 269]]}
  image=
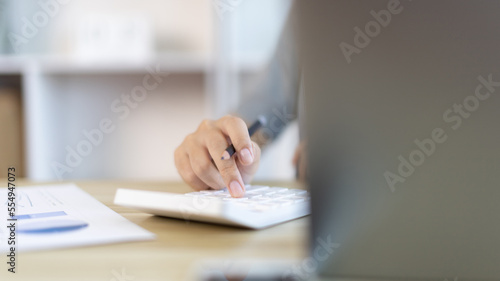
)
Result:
{"points": [[60, 216]]}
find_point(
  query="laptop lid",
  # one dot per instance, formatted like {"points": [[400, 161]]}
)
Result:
{"points": [[403, 105]]}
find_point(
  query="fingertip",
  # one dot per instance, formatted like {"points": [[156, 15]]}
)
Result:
{"points": [[236, 189]]}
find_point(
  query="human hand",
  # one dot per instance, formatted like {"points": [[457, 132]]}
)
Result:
{"points": [[198, 158]]}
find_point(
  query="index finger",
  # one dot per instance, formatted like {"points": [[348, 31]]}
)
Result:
{"points": [[227, 168], [236, 129]]}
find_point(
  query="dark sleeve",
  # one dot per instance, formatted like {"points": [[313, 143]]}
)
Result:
{"points": [[275, 96]]}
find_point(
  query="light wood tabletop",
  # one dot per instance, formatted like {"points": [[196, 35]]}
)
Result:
{"points": [[179, 245]]}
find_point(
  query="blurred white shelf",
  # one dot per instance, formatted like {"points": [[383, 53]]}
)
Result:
{"points": [[60, 65], [172, 62], [11, 65]]}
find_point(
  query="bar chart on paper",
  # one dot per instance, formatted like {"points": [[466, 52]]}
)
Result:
{"points": [[60, 216]]}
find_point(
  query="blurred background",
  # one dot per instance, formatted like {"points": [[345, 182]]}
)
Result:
{"points": [[73, 74]]}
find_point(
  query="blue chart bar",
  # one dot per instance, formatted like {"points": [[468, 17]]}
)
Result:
{"points": [[40, 215]]}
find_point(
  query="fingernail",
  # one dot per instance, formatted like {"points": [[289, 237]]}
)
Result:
{"points": [[246, 156], [235, 189]]}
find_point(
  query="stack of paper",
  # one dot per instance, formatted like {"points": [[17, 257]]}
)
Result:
{"points": [[49, 217]]}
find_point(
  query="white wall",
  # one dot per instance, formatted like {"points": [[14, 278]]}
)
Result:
{"points": [[142, 145]]}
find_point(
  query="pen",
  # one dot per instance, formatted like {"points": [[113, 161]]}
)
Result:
{"points": [[261, 121]]}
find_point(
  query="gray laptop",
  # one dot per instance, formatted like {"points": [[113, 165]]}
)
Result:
{"points": [[403, 111]]}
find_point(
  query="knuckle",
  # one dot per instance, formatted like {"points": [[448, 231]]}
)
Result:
{"points": [[206, 123], [228, 120], [201, 164], [241, 142], [212, 143], [190, 177], [180, 159], [239, 122], [227, 171], [190, 139], [177, 153], [215, 139]]}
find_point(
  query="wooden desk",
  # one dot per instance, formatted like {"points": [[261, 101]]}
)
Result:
{"points": [[178, 246]]}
